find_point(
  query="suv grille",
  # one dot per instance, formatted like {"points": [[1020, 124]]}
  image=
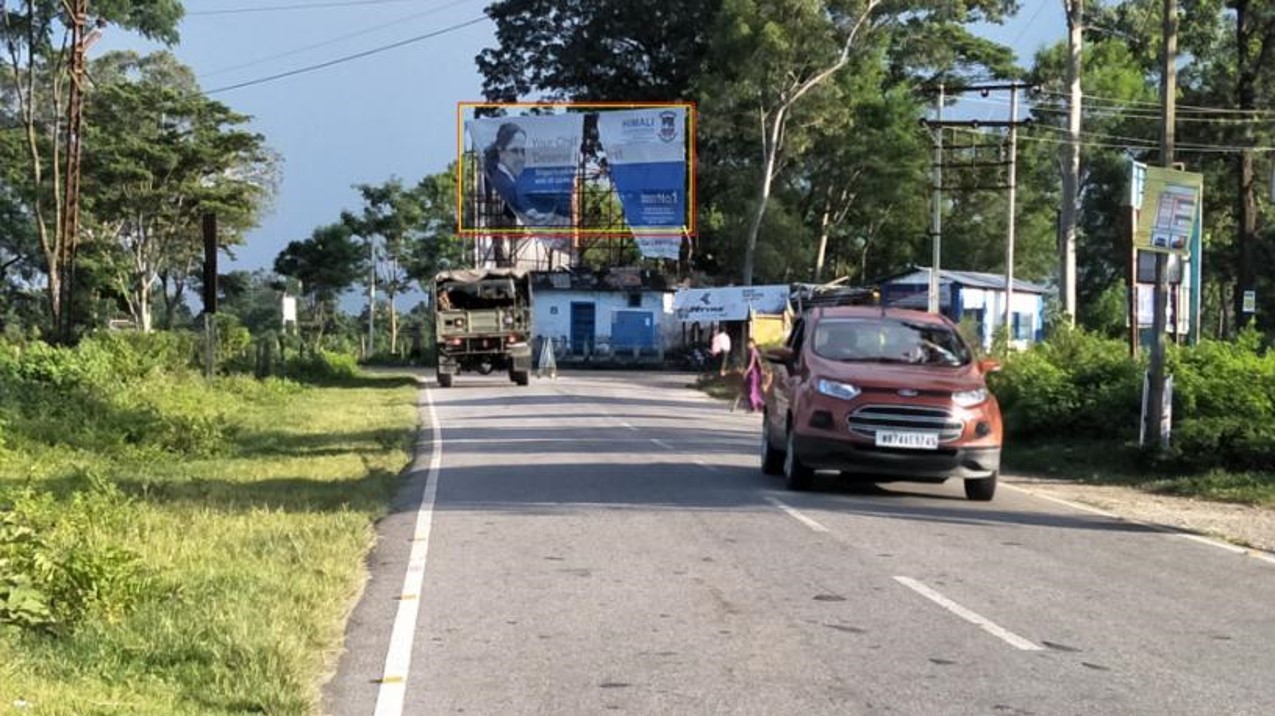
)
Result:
{"points": [[866, 421]]}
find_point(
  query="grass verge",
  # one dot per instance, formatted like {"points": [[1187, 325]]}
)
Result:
{"points": [[244, 564]]}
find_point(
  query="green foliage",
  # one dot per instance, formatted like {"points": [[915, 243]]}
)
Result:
{"points": [[323, 366], [1224, 403], [1079, 385], [116, 393], [57, 567]]}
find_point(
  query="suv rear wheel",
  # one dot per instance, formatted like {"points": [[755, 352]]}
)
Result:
{"points": [[982, 489], [797, 475], [772, 461]]}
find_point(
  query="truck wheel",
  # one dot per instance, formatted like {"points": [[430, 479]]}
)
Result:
{"points": [[521, 377], [982, 489], [444, 380]]}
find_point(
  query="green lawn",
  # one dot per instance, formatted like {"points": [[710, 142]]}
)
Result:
{"points": [[249, 561]]}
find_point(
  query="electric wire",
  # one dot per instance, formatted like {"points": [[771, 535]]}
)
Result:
{"points": [[295, 6], [346, 58], [334, 40]]}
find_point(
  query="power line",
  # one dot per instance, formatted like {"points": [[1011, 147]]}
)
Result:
{"points": [[1136, 113], [1194, 108], [334, 40], [347, 58], [299, 6], [1136, 143]]}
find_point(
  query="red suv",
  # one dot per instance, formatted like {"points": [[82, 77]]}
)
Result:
{"points": [[882, 393]]}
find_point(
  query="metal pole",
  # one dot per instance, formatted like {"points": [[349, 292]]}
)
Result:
{"points": [[1168, 87], [1009, 232], [936, 217], [371, 299]]}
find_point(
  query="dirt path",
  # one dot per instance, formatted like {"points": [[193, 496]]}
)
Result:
{"points": [[1239, 524]]}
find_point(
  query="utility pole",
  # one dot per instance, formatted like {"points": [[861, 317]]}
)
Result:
{"points": [[1071, 162], [1012, 125], [70, 218], [1168, 96], [1013, 196], [371, 298], [936, 218]]}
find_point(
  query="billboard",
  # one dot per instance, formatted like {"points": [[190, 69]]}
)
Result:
{"points": [[530, 162], [1170, 209], [545, 170]]}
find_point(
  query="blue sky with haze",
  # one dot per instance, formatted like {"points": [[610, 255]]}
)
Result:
{"points": [[388, 114]]}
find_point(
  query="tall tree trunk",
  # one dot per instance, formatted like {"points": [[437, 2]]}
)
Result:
{"points": [[1071, 161]]}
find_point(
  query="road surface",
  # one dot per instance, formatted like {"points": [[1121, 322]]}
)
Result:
{"points": [[605, 542]]}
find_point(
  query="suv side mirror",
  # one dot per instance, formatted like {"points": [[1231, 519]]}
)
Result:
{"points": [[989, 365], [780, 356]]}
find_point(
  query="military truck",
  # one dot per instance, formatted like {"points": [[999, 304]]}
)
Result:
{"points": [[482, 320]]}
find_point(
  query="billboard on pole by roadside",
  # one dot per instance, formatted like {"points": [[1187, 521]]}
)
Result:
{"points": [[1170, 208], [549, 174]]}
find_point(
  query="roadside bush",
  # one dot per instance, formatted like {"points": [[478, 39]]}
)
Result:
{"points": [[1078, 384], [322, 366], [1224, 403], [57, 569]]}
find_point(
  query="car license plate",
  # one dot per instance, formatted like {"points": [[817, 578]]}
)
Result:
{"points": [[915, 441]]}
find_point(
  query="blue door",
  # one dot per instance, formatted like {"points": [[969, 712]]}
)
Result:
{"points": [[633, 329], [584, 326]]}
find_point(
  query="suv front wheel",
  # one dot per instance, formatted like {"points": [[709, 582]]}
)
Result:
{"points": [[982, 489]]}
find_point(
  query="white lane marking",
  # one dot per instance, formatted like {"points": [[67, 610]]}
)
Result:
{"points": [[630, 427], [398, 658], [793, 513], [703, 463], [1068, 503], [1172, 531], [984, 623], [662, 444]]}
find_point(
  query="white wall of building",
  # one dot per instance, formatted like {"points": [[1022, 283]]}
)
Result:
{"points": [[551, 313], [992, 302]]}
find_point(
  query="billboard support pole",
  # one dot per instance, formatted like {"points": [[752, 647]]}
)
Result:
{"points": [[1168, 88]]}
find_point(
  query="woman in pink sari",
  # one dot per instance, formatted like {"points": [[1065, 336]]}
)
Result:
{"points": [[753, 378]]}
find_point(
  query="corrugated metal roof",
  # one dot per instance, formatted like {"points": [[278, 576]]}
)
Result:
{"points": [[971, 279]]}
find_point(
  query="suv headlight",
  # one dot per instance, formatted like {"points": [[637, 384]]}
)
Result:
{"points": [[834, 389], [969, 398]]}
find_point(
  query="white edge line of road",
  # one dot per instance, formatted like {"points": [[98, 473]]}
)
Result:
{"points": [[1257, 554], [793, 513], [398, 658], [982, 622], [662, 444]]}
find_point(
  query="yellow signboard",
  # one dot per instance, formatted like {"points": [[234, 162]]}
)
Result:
{"points": [[1172, 202]]}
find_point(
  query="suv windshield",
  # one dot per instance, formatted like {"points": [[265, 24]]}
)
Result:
{"points": [[888, 340]]}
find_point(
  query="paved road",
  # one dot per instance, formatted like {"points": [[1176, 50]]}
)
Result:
{"points": [[605, 542]]}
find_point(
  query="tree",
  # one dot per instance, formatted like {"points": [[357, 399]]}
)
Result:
{"points": [[595, 50], [393, 213], [326, 264], [34, 37], [162, 155]]}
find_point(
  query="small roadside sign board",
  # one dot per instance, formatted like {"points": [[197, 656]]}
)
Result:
{"points": [[1250, 302]]}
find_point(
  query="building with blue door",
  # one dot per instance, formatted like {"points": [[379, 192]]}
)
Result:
{"points": [[620, 315], [976, 297]]}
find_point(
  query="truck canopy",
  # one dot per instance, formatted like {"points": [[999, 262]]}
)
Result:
{"points": [[477, 275]]}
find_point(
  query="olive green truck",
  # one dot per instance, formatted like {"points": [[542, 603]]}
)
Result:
{"points": [[482, 320]]}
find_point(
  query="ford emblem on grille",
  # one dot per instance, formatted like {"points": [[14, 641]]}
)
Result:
{"points": [[908, 393]]}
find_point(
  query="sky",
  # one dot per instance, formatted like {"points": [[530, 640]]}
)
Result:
{"points": [[387, 114]]}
